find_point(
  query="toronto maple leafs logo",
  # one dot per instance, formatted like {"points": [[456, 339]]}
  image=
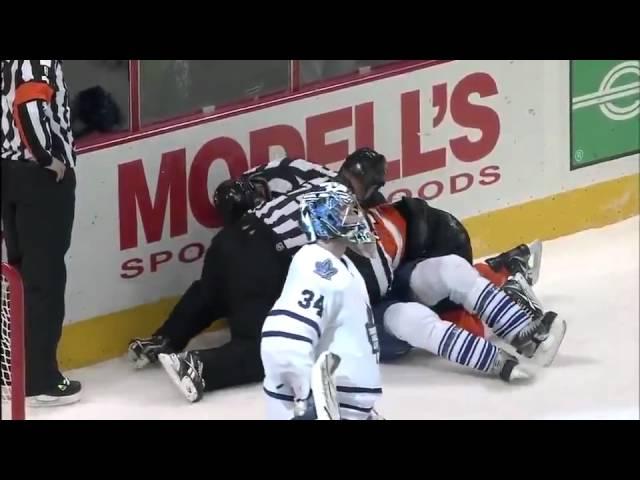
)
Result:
{"points": [[325, 269]]}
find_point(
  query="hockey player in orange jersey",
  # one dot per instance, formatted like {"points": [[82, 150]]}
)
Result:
{"points": [[431, 253]]}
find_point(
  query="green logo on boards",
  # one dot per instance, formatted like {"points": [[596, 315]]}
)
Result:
{"points": [[605, 110]]}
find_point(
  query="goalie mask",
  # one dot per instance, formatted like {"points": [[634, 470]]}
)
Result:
{"points": [[233, 198], [333, 212]]}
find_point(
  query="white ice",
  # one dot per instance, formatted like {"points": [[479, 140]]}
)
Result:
{"points": [[591, 279]]}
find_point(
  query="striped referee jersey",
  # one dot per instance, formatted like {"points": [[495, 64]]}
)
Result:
{"points": [[282, 216], [287, 175], [36, 119]]}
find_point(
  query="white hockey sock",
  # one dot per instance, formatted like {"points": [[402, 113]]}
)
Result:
{"points": [[422, 328], [467, 349], [495, 308]]}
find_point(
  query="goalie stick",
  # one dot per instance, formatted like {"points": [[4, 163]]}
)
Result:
{"points": [[323, 386]]}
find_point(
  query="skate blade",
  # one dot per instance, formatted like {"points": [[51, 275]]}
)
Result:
{"points": [[548, 349], [186, 386], [536, 255], [522, 374], [51, 401]]}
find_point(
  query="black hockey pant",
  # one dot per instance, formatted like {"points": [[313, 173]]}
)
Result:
{"points": [[241, 279]]}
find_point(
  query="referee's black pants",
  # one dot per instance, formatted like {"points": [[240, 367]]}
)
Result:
{"points": [[241, 279], [37, 217]]}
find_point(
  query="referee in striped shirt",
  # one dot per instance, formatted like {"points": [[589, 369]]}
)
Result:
{"points": [[38, 202]]}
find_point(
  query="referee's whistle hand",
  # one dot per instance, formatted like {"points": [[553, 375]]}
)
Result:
{"points": [[58, 168]]}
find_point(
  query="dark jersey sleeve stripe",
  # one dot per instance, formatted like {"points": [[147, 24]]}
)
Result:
{"points": [[34, 130]]}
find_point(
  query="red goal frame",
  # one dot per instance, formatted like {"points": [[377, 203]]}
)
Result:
{"points": [[17, 366]]}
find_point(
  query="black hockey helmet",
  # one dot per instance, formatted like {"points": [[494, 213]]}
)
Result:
{"points": [[233, 198], [368, 166]]}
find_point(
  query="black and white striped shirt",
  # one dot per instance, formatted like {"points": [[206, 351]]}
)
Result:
{"points": [[288, 179], [282, 216], [36, 117], [287, 175]]}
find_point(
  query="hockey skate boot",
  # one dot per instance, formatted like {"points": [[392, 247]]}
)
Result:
{"points": [[541, 339], [185, 370], [521, 292], [509, 369], [524, 259], [65, 392], [143, 351]]}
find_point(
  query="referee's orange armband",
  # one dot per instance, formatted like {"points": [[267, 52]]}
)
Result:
{"points": [[30, 91]]}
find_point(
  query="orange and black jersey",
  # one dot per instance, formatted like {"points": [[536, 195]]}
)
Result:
{"points": [[391, 228], [36, 117]]}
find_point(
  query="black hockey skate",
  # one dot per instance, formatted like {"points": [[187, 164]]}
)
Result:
{"points": [[509, 369], [521, 292], [524, 259], [541, 339], [185, 370], [64, 393], [143, 351]]}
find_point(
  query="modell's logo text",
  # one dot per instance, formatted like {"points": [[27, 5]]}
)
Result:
{"points": [[182, 189]]}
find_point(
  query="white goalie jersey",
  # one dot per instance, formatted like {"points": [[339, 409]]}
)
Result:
{"points": [[324, 305]]}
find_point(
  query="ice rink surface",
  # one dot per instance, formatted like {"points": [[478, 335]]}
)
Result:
{"points": [[590, 279]]}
